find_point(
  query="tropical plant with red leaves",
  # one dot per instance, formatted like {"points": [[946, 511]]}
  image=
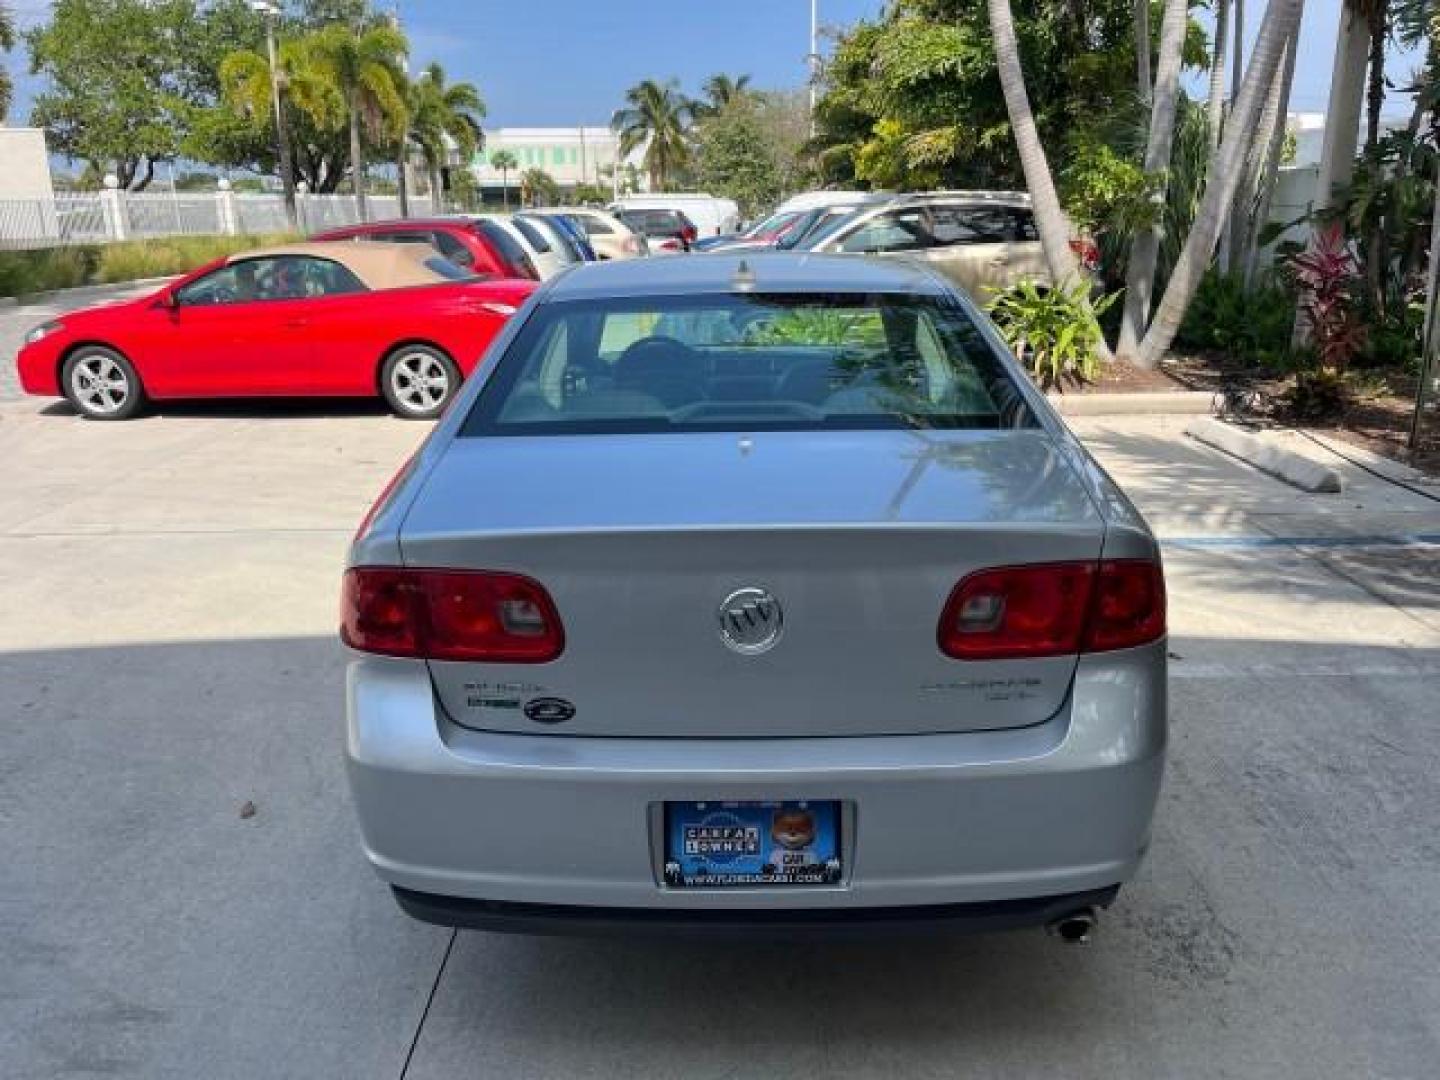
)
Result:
{"points": [[1327, 275]]}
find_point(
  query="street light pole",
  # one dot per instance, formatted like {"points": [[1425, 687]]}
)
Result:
{"points": [[270, 12], [814, 61]]}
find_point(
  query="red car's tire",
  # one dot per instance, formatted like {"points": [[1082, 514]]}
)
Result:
{"points": [[102, 384], [418, 381]]}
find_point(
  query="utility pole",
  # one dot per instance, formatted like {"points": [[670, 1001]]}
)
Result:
{"points": [[270, 12], [814, 57]]}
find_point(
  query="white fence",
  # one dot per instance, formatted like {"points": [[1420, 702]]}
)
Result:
{"points": [[98, 217]]}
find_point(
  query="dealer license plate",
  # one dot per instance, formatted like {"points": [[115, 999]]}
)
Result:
{"points": [[712, 845]]}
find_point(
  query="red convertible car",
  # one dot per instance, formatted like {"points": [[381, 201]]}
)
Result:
{"points": [[344, 320]]}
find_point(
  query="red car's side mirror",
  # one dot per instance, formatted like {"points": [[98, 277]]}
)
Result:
{"points": [[168, 300]]}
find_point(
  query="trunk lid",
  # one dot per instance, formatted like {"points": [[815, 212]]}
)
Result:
{"points": [[859, 537]]}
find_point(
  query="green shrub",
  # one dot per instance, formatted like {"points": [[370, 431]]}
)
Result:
{"points": [[26, 272], [1253, 325], [1050, 330], [137, 259]]}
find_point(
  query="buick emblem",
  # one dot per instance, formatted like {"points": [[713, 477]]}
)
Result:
{"points": [[750, 621]]}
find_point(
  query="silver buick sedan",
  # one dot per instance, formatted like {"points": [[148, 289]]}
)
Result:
{"points": [[756, 594]]}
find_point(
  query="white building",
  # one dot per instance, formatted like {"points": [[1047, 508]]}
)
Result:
{"points": [[571, 155], [26, 172]]}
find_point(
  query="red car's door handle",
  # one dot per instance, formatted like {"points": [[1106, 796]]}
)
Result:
{"points": [[296, 324]]}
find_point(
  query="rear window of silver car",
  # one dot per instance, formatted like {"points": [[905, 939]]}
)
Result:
{"points": [[748, 363]]}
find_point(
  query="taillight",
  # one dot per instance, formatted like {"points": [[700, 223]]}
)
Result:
{"points": [[1017, 611], [1129, 605], [1088, 252], [473, 615], [1053, 609], [689, 234]]}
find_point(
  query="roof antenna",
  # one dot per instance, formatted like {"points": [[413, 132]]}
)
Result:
{"points": [[744, 278]]}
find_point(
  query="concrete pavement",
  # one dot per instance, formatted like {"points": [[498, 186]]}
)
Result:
{"points": [[167, 655]]}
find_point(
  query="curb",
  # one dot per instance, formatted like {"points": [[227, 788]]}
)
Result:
{"points": [[1286, 465], [1149, 403], [82, 293]]}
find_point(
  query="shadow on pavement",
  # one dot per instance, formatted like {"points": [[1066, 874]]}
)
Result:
{"points": [[246, 408]]}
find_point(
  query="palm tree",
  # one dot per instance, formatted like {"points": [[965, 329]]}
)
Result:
{"points": [[1145, 247], [504, 160], [445, 116], [7, 42], [1215, 108], [659, 116], [245, 86], [1050, 219], [1281, 19], [720, 91], [1268, 168], [538, 187], [365, 66]]}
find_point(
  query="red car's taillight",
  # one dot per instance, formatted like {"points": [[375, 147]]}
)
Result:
{"points": [[689, 234], [1053, 609], [1088, 252], [475, 615]]}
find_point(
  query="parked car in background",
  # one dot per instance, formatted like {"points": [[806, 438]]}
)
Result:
{"points": [[320, 319], [979, 240], [558, 235], [762, 234], [608, 235], [537, 244], [814, 200], [576, 235], [899, 659], [817, 219], [477, 245], [710, 215], [666, 231]]}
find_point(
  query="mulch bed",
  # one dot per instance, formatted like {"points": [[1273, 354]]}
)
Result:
{"points": [[1377, 417]]}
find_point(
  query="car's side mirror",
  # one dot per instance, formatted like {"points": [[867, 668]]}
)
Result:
{"points": [[168, 300]]}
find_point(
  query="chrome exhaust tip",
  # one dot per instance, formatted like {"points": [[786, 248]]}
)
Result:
{"points": [[1076, 928]]}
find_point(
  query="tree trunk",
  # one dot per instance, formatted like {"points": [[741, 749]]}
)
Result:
{"points": [[505, 188], [1342, 126], [1281, 19], [1229, 255], [1376, 249], [402, 173], [357, 163], [1245, 212], [1142, 48], [1274, 152], [1145, 247], [437, 189], [149, 175], [1342, 114], [1215, 107], [1049, 217], [1375, 93]]}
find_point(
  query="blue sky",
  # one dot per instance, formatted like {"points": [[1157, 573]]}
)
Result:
{"points": [[554, 62]]}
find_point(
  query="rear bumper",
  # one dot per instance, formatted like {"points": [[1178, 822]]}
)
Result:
{"points": [[1053, 810], [924, 920]]}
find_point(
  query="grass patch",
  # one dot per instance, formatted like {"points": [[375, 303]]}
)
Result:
{"points": [[26, 272]]}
